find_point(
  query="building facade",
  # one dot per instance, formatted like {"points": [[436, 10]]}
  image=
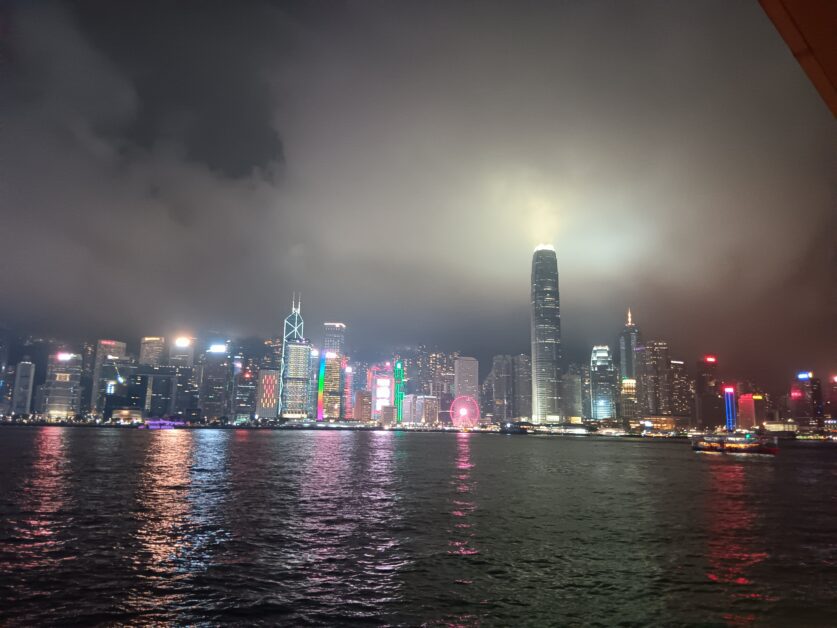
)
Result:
{"points": [[466, 377], [294, 390], [603, 383], [23, 388], [105, 350], [152, 350], [62, 388], [545, 335], [629, 340], [522, 385], [653, 364]]}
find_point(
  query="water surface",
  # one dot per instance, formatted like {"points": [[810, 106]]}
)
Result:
{"points": [[326, 528]]}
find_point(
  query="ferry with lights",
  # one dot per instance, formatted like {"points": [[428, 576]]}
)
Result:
{"points": [[746, 444], [735, 442]]}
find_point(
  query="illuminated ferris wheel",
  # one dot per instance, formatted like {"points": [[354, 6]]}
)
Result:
{"points": [[465, 412]]}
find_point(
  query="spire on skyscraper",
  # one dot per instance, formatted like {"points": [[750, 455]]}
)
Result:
{"points": [[293, 323], [629, 317]]}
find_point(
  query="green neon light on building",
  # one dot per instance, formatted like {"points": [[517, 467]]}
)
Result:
{"points": [[398, 374]]}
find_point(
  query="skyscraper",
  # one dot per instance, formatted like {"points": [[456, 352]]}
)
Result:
{"points": [[653, 368], [603, 383], [348, 392], [502, 383], [62, 388], [182, 352], [427, 410], [267, 394], [730, 408], [296, 355], [573, 392], [806, 400], [627, 399], [329, 386], [522, 385], [105, 350], [334, 338], [466, 377], [363, 406], [629, 340], [22, 391], [382, 388], [398, 390], [152, 349], [682, 390], [752, 410], [216, 382], [546, 335], [155, 389], [112, 384], [709, 401], [245, 389]]}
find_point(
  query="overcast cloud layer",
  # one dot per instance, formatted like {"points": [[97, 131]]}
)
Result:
{"points": [[168, 167]]}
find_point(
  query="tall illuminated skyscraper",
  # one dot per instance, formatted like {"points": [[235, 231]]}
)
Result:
{"points": [[398, 390], [381, 383], [329, 386], [182, 352], [806, 400], [682, 390], [546, 335], [627, 399], [730, 409], [152, 349], [348, 392], [24, 385], [466, 377], [362, 406], [296, 354], [629, 340], [216, 369], [653, 369], [267, 395], [603, 383], [62, 388], [334, 338]]}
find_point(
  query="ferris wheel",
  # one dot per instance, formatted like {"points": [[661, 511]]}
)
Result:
{"points": [[465, 412]]}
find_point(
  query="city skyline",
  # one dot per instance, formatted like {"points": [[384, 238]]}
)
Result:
{"points": [[393, 207], [418, 312], [322, 378]]}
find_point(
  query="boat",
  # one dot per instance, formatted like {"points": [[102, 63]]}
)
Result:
{"points": [[518, 427], [160, 424], [736, 444]]}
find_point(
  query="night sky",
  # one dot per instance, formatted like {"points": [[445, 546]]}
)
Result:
{"points": [[173, 168]]}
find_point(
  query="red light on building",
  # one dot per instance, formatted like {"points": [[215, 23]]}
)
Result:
{"points": [[796, 394], [729, 389], [710, 358]]}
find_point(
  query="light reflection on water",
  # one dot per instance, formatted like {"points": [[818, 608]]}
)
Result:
{"points": [[327, 528], [732, 551], [39, 522], [463, 503]]}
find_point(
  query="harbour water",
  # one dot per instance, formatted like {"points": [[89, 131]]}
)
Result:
{"points": [[328, 528]]}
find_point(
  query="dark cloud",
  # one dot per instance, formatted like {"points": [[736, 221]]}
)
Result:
{"points": [[171, 165]]}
